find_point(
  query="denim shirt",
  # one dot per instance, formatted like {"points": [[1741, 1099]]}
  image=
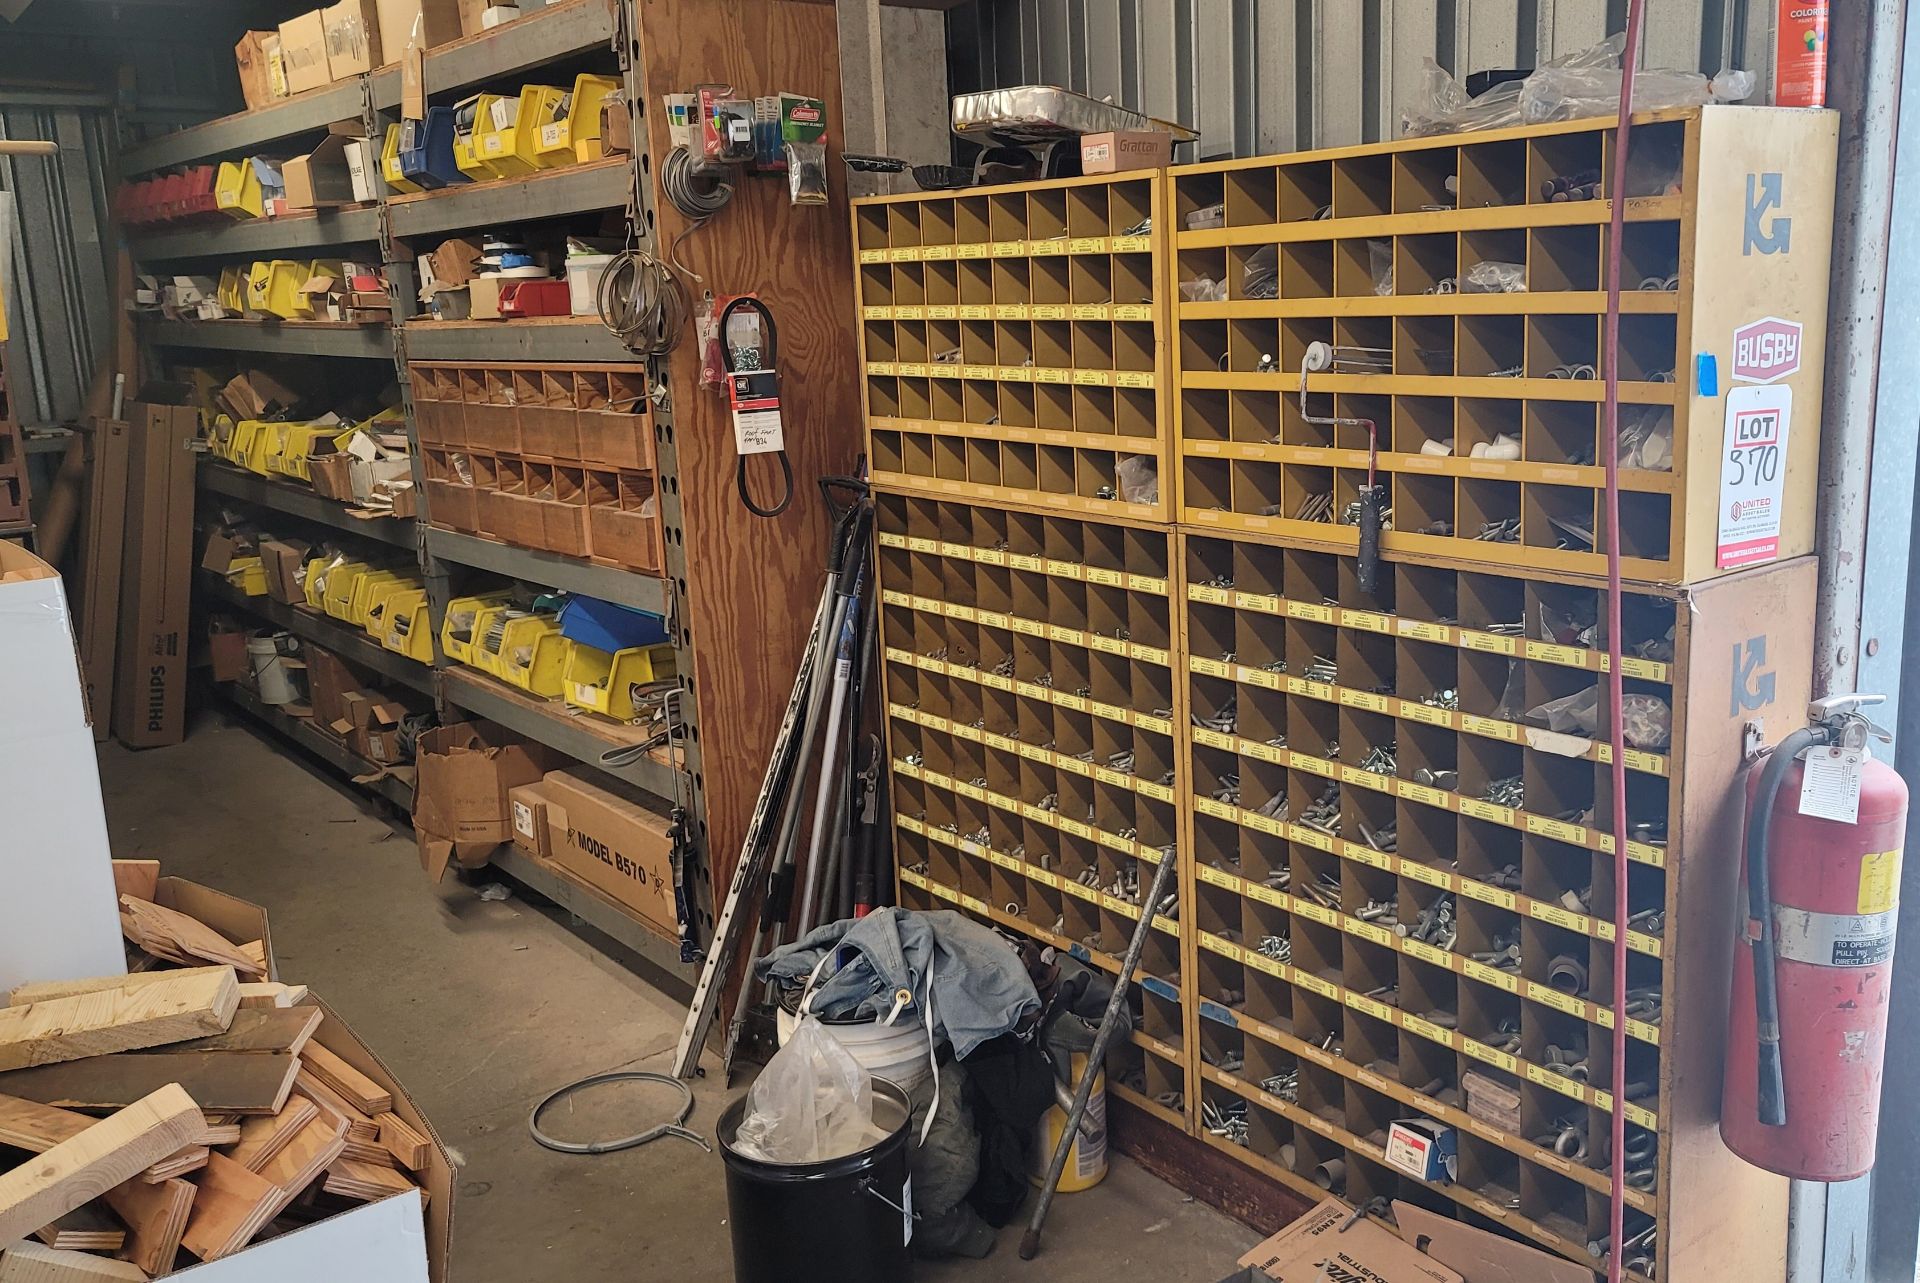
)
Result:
{"points": [[979, 989]]}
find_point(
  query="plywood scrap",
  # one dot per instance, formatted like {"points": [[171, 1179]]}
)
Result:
{"points": [[364, 1094], [254, 1031], [409, 1148], [312, 1150], [221, 1134], [155, 1217], [111, 1020], [172, 935], [84, 1229], [232, 1205], [264, 1137], [270, 993], [251, 1084], [32, 1263], [37, 1128], [361, 1126], [137, 878], [41, 991], [365, 1181], [367, 1151], [256, 953], [188, 1160], [109, 1153]]}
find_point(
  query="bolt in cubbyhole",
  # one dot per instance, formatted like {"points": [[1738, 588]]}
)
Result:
{"points": [[943, 284], [1486, 852], [1097, 474], [1423, 505], [1561, 1125], [974, 341], [1421, 263], [1561, 432], [1557, 517], [1423, 345], [1266, 1062], [1565, 347], [1649, 254], [1362, 267], [1160, 957], [1220, 982], [1426, 669], [1488, 507], [1645, 980], [1208, 483], [1165, 1082], [949, 458], [1081, 919], [1253, 197], [1492, 245], [1564, 167], [1012, 280], [1565, 258], [1365, 811], [1552, 1038], [1257, 641], [1370, 969], [1222, 1046], [1255, 486], [1216, 910], [1649, 346], [1215, 771], [1425, 181], [1487, 1014], [1303, 496], [1563, 960], [1193, 193], [1555, 1202], [1646, 525], [1107, 613], [1649, 798], [1489, 346], [1250, 343], [1307, 270], [1418, 420], [1263, 712], [1263, 787], [879, 338], [1566, 876]]}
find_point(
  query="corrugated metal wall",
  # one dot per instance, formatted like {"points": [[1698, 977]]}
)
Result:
{"points": [[1258, 76]]}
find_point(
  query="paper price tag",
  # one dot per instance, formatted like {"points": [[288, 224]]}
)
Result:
{"points": [[1753, 466], [1830, 789]]}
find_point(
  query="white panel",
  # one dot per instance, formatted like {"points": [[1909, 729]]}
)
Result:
{"points": [[1671, 36], [1159, 85], [1056, 44], [1103, 52], [1276, 85], [1211, 74], [1339, 91], [1493, 36], [1567, 26], [383, 1242]]}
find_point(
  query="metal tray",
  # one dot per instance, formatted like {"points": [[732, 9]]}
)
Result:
{"points": [[1045, 113]]}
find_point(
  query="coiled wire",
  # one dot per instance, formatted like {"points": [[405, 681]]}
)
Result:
{"points": [[643, 302]]}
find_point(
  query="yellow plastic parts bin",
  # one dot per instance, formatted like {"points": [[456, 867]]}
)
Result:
{"points": [[466, 146], [379, 594], [390, 163], [273, 286], [574, 138], [315, 581], [515, 150], [262, 446], [236, 189], [462, 625], [303, 303], [296, 450], [405, 628], [249, 575], [240, 441], [354, 611], [336, 595], [533, 655], [232, 294], [603, 682]]}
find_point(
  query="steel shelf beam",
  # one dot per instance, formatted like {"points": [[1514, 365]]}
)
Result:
{"points": [[329, 750], [585, 339], [344, 640], [612, 922], [563, 734], [260, 235], [231, 135], [305, 504], [625, 587], [290, 338], [557, 192]]}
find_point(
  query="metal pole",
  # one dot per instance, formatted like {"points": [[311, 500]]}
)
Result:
{"points": [[1863, 75]]}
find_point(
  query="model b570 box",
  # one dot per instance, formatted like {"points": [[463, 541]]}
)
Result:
{"points": [[612, 845]]}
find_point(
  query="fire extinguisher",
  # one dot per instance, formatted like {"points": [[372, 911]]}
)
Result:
{"points": [[1813, 968]]}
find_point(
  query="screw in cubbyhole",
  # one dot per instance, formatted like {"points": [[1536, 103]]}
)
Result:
{"points": [[1649, 798], [1426, 1067], [1490, 1169], [1425, 180], [1370, 818], [1259, 641], [1371, 970], [1553, 1201], [1431, 993], [1429, 673], [1312, 651], [1221, 983], [1221, 1046], [1639, 1231], [1562, 788]]}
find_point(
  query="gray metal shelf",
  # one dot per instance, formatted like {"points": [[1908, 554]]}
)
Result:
{"points": [[556, 192], [549, 724], [260, 235], [590, 908], [550, 569], [546, 35], [303, 732], [348, 642], [560, 339], [296, 501], [291, 338]]}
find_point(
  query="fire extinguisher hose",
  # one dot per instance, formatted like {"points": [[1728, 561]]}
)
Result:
{"points": [[1766, 991]]}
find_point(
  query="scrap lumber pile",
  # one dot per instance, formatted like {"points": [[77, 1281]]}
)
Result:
{"points": [[182, 1111]]}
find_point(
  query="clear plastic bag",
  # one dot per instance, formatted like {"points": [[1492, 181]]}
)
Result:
{"points": [[1203, 289], [1490, 277], [1646, 440], [1139, 477], [813, 1102], [1380, 262]]}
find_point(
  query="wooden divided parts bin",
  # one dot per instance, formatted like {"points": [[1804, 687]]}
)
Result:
{"points": [[554, 457]]}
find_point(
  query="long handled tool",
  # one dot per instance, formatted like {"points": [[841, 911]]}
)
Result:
{"points": [[1109, 1021]]}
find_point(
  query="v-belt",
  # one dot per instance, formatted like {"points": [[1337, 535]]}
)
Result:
{"points": [[755, 391]]}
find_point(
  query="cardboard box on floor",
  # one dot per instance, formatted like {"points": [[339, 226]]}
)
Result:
{"points": [[330, 681], [58, 917], [612, 845], [239, 921], [1313, 1247], [1481, 1256], [460, 807], [150, 696]]}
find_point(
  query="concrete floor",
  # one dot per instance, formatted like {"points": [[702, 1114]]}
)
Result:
{"points": [[482, 1008]]}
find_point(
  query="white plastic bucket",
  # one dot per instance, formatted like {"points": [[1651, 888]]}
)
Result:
{"points": [[583, 281], [271, 673], [898, 1054]]}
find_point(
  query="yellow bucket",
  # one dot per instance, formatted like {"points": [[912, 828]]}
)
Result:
{"points": [[390, 163], [602, 682], [1087, 1160], [533, 655], [405, 628], [236, 189], [463, 617]]}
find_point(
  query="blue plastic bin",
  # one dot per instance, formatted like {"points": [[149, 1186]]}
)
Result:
{"points": [[607, 626], [426, 150]]}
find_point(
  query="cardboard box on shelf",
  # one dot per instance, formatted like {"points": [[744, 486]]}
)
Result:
{"points": [[533, 809], [353, 37], [483, 293], [262, 68], [453, 262], [433, 22], [1111, 153], [613, 846], [1312, 1248], [376, 730], [460, 808], [150, 697], [322, 179], [484, 15], [303, 47], [286, 565], [332, 476], [58, 918], [223, 546], [363, 169], [227, 650], [325, 297], [1422, 1148], [254, 394]]}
